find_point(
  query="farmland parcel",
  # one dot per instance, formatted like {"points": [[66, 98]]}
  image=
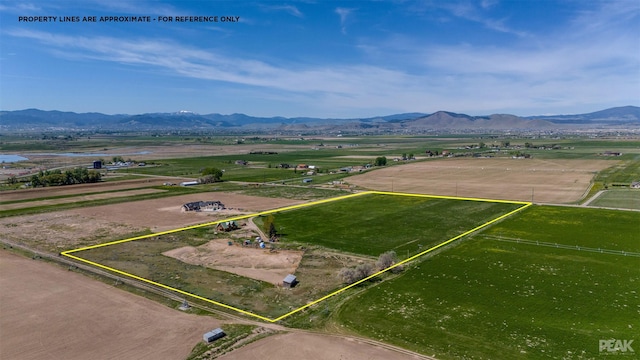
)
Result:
{"points": [[419, 223], [499, 292]]}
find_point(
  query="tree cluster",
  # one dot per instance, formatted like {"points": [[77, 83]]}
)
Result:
{"points": [[269, 226], [210, 175], [380, 161], [78, 175], [351, 275], [385, 261]]}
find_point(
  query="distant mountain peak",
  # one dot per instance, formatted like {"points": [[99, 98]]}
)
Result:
{"points": [[38, 120]]}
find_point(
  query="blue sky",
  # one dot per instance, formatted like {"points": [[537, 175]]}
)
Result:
{"points": [[323, 58]]}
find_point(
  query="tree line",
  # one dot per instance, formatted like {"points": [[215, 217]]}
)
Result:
{"points": [[78, 175]]}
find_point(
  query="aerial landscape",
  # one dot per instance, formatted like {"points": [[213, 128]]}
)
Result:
{"points": [[331, 180]]}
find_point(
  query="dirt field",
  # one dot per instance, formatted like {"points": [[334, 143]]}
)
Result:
{"points": [[111, 195], [165, 214], [51, 313], [59, 231], [16, 195], [64, 230], [260, 264], [294, 346], [548, 181]]}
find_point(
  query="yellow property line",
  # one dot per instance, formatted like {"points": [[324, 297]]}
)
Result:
{"points": [[292, 207]]}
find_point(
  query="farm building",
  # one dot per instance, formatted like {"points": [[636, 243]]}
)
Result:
{"points": [[97, 164], [213, 335], [227, 226], [189, 183], [289, 281], [203, 206]]}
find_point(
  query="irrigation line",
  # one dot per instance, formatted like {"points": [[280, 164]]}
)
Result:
{"points": [[563, 246]]}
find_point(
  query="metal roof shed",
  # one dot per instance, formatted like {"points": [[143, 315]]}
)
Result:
{"points": [[213, 335], [289, 281]]}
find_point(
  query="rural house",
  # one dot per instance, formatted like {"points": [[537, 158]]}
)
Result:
{"points": [[203, 206], [227, 226]]}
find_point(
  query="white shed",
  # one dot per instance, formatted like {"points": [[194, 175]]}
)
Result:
{"points": [[189, 183]]}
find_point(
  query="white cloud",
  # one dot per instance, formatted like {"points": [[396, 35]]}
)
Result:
{"points": [[292, 10], [488, 3], [20, 8], [344, 15], [593, 61], [469, 12]]}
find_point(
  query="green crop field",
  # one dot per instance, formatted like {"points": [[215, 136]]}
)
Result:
{"points": [[493, 297], [619, 198], [373, 224]]}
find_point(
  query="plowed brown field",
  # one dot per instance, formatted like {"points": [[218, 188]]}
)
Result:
{"points": [[51, 313], [547, 181]]}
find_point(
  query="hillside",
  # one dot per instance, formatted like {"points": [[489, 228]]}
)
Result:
{"points": [[41, 120]]}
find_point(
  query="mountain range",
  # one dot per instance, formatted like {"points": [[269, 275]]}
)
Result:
{"points": [[41, 120]]}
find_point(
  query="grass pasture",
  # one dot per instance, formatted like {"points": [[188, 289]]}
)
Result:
{"points": [[322, 260], [619, 198], [488, 298], [370, 225]]}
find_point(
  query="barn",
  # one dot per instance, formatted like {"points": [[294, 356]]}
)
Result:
{"points": [[213, 335], [289, 281]]}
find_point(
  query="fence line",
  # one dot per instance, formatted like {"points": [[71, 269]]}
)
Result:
{"points": [[564, 246]]}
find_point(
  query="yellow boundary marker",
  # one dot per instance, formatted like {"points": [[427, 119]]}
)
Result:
{"points": [[293, 207]]}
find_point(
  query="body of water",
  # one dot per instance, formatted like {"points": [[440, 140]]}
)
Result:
{"points": [[11, 158], [92, 154]]}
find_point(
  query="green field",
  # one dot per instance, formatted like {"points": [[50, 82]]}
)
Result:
{"points": [[619, 198], [492, 297], [373, 224]]}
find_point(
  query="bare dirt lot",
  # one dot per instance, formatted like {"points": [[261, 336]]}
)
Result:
{"points": [[16, 195], [294, 346], [260, 264], [58, 231], [65, 230], [51, 313], [548, 181], [165, 213], [111, 195]]}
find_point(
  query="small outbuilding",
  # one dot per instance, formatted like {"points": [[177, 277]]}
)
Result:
{"points": [[97, 164], [289, 281], [227, 226], [213, 335], [189, 183]]}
